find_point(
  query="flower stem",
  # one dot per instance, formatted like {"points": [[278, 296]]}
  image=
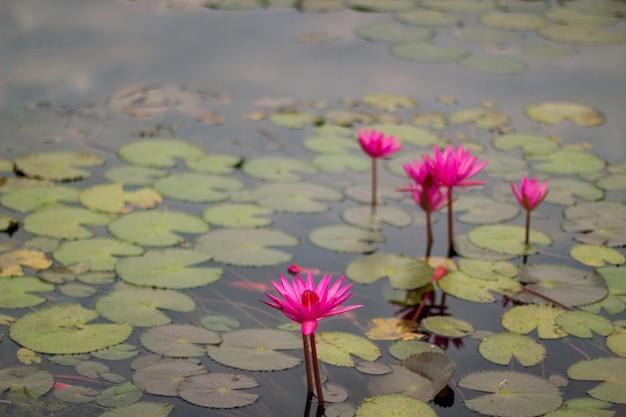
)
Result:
{"points": [[451, 251], [429, 235], [374, 183], [316, 370], [307, 364], [526, 239]]}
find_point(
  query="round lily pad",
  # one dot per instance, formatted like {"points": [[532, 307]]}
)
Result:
{"points": [[65, 329], [159, 153], [506, 167], [581, 324], [501, 348], [564, 190], [487, 270], [31, 198], [380, 6], [572, 16], [447, 326], [246, 247], [483, 118], [404, 272], [179, 340], [507, 239], [550, 50], [220, 323], [142, 306], [25, 383], [11, 262], [163, 378], [404, 348], [402, 406], [198, 188], [460, 6], [130, 175], [514, 21], [612, 182], [426, 18], [392, 32], [611, 371], [388, 102], [117, 352], [330, 145], [57, 166], [428, 52], [112, 198], [214, 164], [554, 112], [64, 222], [218, 390], [486, 35], [277, 169], [168, 268], [362, 217], [140, 409], [294, 119], [532, 144], [524, 318], [511, 394], [16, 292], [298, 197], [156, 227], [256, 349], [483, 210], [465, 287], [408, 134], [568, 162], [101, 253], [582, 35], [338, 164], [603, 223], [404, 381], [345, 239], [336, 348], [596, 256], [238, 215]]}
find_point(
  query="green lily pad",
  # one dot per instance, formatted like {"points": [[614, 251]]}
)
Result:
{"points": [[345, 239], [339, 164], [563, 191], [141, 409], [460, 6], [218, 390], [532, 144], [8, 223], [349, 117], [399, 405], [404, 381], [582, 35], [178, 340], [483, 118], [141, 307], [466, 249], [486, 35], [483, 210], [77, 290], [572, 16], [571, 286], [612, 182], [129, 175], [64, 222], [101, 253], [465, 287], [294, 119], [57, 166], [362, 217], [392, 32], [554, 112], [501, 348], [514, 21], [507, 239], [168, 268], [163, 378], [516, 6], [235, 5], [160, 153], [65, 329], [611, 371], [363, 193], [156, 227], [408, 134], [583, 407], [497, 65], [238, 215], [389, 102], [550, 50], [299, 197], [16, 292], [198, 188], [581, 324], [447, 326], [25, 383], [380, 6], [505, 167], [76, 394], [256, 349], [596, 256], [117, 352], [603, 222], [330, 145], [511, 394], [402, 349], [523, 319], [32, 198], [568, 162], [11, 262], [277, 169], [247, 247], [335, 348], [215, 164], [220, 323], [487, 270], [111, 198], [428, 52], [616, 341], [427, 18]]}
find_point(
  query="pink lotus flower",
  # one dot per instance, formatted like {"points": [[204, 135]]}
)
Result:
{"points": [[452, 168], [376, 144], [296, 269], [530, 193], [425, 193], [306, 304]]}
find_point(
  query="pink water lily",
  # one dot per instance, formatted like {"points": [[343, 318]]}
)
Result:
{"points": [[530, 193], [305, 303], [376, 144], [452, 168], [425, 193]]}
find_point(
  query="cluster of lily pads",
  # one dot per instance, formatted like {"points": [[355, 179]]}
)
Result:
{"points": [[115, 257]]}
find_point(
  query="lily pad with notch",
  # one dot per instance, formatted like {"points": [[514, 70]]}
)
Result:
{"points": [[25, 383], [179, 340], [160, 153], [17, 292], [564, 190], [340, 163], [101, 253], [194, 187], [11, 263], [501, 348], [611, 371], [141, 307], [57, 165], [393, 32], [140, 409], [596, 256], [64, 222], [336, 348], [238, 215], [497, 65], [582, 324], [130, 175], [568, 162], [345, 239], [218, 390], [112, 198], [507, 239], [163, 378], [246, 247], [447, 326], [523, 319], [277, 169], [298, 197], [31, 198], [168, 268], [402, 406], [478, 209], [215, 164], [362, 217], [428, 52], [256, 349], [404, 272], [156, 227], [554, 112], [532, 144]]}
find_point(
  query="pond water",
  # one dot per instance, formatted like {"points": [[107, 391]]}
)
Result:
{"points": [[275, 81]]}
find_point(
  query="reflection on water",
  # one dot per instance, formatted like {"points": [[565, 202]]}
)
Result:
{"points": [[96, 75]]}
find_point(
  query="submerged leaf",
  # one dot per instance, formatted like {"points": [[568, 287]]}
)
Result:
{"points": [[25, 383]]}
